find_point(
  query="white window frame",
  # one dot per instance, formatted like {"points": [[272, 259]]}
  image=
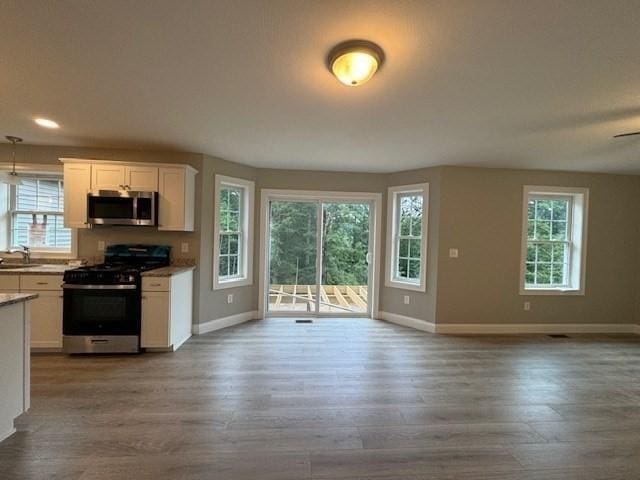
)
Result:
{"points": [[6, 193], [245, 246], [577, 221], [393, 236]]}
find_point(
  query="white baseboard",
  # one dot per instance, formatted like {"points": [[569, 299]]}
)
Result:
{"points": [[224, 322], [532, 328], [507, 329], [407, 321]]}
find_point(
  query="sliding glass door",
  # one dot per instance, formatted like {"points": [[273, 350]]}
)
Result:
{"points": [[345, 258], [318, 257], [293, 256]]}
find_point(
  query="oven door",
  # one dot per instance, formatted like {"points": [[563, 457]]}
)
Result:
{"points": [[101, 310]]}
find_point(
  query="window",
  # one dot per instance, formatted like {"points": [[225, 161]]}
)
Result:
{"points": [[554, 240], [407, 236], [233, 232], [35, 217]]}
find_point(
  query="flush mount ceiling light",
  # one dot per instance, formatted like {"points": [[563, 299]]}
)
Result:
{"points": [[46, 123], [354, 62]]}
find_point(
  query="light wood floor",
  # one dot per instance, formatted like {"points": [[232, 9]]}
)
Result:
{"points": [[356, 399]]}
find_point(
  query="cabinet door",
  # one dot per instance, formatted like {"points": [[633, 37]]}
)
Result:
{"points": [[171, 204], [46, 319], [141, 178], [155, 320], [77, 182], [107, 177]]}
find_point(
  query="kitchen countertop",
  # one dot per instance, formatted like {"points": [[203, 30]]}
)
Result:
{"points": [[168, 271], [11, 298], [46, 269]]}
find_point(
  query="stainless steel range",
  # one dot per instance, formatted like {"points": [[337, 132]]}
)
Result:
{"points": [[101, 311]]}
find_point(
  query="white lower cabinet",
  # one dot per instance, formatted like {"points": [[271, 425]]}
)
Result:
{"points": [[166, 311], [46, 319], [46, 310]]}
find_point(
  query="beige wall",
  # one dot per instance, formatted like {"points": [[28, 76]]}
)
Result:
{"points": [[212, 304], [481, 215], [422, 304], [475, 210]]}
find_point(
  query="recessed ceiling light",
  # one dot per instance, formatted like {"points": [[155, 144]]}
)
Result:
{"points": [[354, 62], [46, 123]]}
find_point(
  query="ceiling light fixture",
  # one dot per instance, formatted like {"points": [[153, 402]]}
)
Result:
{"points": [[11, 178], [354, 62], [46, 123]]}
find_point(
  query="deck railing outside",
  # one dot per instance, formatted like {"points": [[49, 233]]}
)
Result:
{"points": [[333, 298]]}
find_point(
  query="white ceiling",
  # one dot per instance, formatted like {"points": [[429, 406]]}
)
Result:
{"points": [[518, 83]]}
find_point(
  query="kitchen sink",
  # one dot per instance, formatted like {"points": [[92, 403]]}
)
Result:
{"points": [[15, 266]]}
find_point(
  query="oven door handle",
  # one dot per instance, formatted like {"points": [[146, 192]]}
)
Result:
{"points": [[71, 286]]}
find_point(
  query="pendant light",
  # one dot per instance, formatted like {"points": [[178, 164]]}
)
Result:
{"points": [[11, 178]]}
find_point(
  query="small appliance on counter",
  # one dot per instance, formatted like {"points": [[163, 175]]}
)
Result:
{"points": [[101, 312]]}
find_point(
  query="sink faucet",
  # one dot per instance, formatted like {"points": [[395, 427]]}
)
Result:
{"points": [[25, 252]]}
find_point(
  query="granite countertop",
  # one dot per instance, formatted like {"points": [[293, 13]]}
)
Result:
{"points": [[11, 298], [45, 269], [168, 271]]}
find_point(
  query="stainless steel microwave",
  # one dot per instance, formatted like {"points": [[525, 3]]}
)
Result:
{"points": [[122, 207]]}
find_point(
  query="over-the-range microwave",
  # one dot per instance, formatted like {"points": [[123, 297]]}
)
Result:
{"points": [[122, 207]]}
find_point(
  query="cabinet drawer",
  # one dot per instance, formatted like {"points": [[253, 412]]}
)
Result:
{"points": [[40, 282], [156, 284], [9, 282]]}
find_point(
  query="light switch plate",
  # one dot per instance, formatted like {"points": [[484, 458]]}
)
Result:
{"points": [[184, 248], [230, 298], [101, 245], [407, 299], [527, 306], [453, 253]]}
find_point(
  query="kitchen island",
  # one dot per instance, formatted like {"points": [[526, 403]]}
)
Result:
{"points": [[14, 358]]}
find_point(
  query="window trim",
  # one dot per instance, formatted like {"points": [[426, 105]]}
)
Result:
{"points": [[245, 247], [393, 238], [45, 172], [577, 238]]}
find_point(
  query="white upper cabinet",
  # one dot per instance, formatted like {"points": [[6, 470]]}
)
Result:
{"points": [[140, 178], [77, 182], [108, 177], [175, 184], [176, 189]]}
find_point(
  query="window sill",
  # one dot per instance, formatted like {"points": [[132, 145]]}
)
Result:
{"points": [[551, 291], [405, 285], [42, 255], [236, 282]]}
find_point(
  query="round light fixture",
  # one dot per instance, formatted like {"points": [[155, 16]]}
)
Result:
{"points": [[354, 62], [46, 123]]}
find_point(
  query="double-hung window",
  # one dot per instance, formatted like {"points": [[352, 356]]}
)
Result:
{"points": [[554, 240], [233, 232], [407, 236], [35, 216]]}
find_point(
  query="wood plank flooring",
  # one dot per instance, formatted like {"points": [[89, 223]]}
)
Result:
{"points": [[337, 399]]}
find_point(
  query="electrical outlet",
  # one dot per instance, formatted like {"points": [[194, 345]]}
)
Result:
{"points": [[101, 245], [230, 298], [527, 306], [453, 253], [407, 299], [184, 248]]}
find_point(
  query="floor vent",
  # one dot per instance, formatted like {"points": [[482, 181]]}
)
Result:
{"points": [[558, 336], [304, 321]]}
